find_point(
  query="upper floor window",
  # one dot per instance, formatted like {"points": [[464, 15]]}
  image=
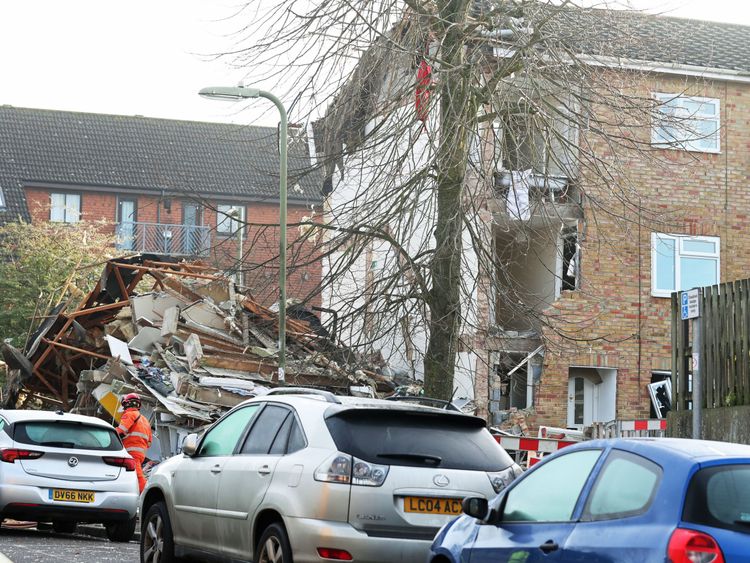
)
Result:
{"points": [[65, 208], [229, 219], [680, 262], [2, 199], [686, 122]]}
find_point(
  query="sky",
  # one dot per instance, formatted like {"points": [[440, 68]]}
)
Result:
{"points": [[150, 57]]}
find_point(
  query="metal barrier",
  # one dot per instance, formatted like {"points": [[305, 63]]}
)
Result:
{"points": [[643, 428], [161, 238]]}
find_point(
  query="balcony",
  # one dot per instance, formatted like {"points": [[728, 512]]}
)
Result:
{"points": [[161, 238], [537, 198]]}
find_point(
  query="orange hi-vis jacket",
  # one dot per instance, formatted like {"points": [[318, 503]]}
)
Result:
{"points": [[135, 431]]}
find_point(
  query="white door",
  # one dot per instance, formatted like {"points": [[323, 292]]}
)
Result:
{"points": [[580, 402]]}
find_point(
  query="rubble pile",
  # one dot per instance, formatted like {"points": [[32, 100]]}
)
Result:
{"points": [[184, 337]]}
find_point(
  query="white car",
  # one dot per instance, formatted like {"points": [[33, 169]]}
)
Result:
{"points": [[307, 476], [65, 468]]}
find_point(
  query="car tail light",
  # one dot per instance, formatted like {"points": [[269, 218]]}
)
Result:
{"points": [[501, 479], [127, 462], [690, 546], [10, 455], [343, 468], [337, 554]]}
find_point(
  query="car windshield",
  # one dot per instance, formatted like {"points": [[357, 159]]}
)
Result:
{"points": [[720, 497], [68, 435], [417, 439]]}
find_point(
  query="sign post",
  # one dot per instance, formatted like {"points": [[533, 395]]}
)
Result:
{"points": [[690, 309]]}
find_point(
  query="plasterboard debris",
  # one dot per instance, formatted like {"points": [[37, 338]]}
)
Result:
{"points": [[193, 347]]}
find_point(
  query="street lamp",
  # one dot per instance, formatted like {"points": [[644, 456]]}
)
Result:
{"points": [[238, 93]]}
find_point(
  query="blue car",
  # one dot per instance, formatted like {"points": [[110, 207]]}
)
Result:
{"points": [[636, 500]]}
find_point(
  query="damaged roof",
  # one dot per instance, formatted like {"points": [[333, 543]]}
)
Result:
{"points": [[116, 152]]}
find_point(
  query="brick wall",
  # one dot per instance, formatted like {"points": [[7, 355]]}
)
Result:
{"points": [[260, 244], [613, 320]]}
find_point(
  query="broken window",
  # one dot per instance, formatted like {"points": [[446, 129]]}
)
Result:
{"points": [[516, 375], [541, 142], [65, 208], [568, 260]]}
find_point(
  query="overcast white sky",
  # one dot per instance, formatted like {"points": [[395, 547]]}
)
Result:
{"points": [[142, 57]]}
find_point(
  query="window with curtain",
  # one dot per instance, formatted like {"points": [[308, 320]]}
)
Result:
{"points": [[65, 208]]}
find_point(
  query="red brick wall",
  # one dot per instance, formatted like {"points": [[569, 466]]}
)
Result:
{"points": [[613, 317], [260, 245]]}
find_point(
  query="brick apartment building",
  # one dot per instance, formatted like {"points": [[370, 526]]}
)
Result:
{"points": [[604, 281], [175, 188]]}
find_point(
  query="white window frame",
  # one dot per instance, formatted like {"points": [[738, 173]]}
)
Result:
{"points": [[225, 225], [692, 145], [680, 252], [70, 213]]}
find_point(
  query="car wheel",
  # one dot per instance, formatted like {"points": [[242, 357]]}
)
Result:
{"points": [[273, 546], [64, 526], [156, 536], [121, 531]]}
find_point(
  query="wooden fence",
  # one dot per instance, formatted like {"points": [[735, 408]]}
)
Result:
{"points": [[724, 355]]}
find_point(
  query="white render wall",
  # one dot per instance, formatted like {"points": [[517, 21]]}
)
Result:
{"points": [[367, 182]]}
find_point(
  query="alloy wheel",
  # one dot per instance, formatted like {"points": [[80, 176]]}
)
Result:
{"points": [[153, 541], [271, 552]]}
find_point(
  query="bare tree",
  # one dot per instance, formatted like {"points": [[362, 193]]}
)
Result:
{"points": [[435, 118]]}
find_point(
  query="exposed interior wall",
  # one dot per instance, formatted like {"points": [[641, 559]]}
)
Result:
{"points": [[530, 260]]}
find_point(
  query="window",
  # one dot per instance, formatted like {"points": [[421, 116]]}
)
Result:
{"points": [[719, 497], [2, 199], [684, 122], [265, 430], [681, 262], [392, 438], [222, 438], [625, 487], [229, 219], [541, 497], [65, 208], [127, 215], [66, 435]]}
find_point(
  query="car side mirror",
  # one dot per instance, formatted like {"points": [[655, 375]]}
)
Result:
{"points": [[190, 445], [476, 507]]}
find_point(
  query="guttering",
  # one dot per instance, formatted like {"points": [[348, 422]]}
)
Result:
{"points": [[712, 73]]}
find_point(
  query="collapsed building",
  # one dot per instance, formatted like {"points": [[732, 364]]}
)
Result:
{"points": [[183, 336]]}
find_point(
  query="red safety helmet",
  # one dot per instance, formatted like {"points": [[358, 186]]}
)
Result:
{"points": [[131, 400]]}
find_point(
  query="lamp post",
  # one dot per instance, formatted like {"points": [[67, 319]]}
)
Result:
{"points": [[238, 93]]}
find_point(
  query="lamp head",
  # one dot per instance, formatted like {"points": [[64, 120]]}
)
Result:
{"points": [[229, 92]]}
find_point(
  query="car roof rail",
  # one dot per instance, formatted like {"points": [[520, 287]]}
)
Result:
{"points": [[426, 401], [327, 395]]}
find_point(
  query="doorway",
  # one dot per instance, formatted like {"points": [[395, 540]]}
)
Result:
{"points": [[592, 395]]}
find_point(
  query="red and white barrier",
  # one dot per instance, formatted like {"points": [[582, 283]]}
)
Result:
{"points": [[638, 425], [544, 445]]}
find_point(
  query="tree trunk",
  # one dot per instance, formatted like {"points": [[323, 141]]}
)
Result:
{"points": [[458, 117]]}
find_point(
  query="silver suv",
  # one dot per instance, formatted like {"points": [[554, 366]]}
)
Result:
{"points": [[309, 476]]}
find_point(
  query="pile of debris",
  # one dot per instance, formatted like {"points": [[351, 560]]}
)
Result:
{"points": [[184, 337]]}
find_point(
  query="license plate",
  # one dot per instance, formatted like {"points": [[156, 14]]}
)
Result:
{"points": [[431, 505], [68, 495]]}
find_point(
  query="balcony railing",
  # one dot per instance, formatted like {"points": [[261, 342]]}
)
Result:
{"points": [[160, 238]]}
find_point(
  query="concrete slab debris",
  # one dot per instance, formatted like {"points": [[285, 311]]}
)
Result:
{"points": [[193, 346]]}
